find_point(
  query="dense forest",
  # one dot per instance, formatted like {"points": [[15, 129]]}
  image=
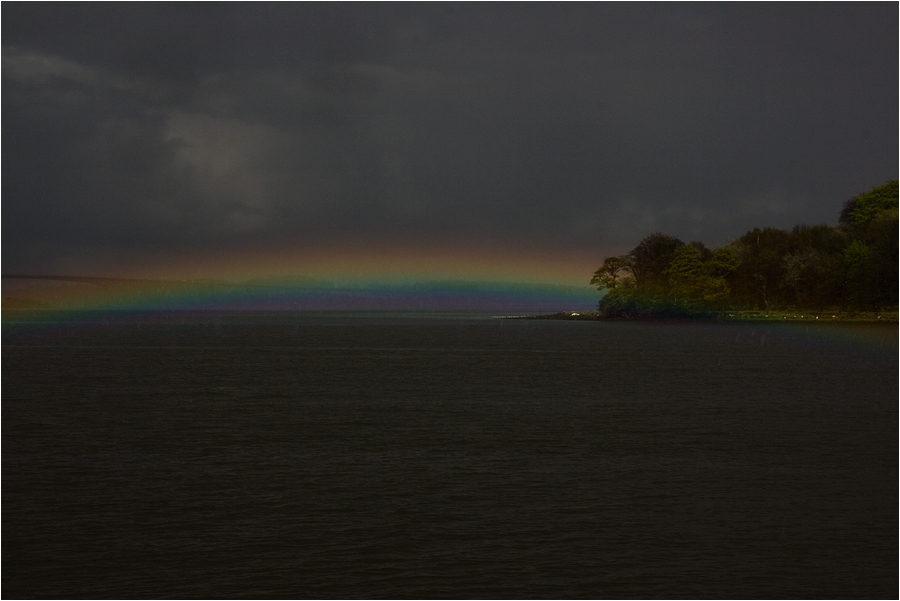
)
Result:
{"points": [[848, 266]]}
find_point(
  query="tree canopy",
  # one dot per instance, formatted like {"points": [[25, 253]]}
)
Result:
{"points": [[852, 265], [864, 207]]}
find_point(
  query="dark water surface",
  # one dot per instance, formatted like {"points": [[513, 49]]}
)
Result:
{"points": [[373, 455]]}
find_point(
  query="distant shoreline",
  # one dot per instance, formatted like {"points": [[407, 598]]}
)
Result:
{"points": [[740, 316], [18, 310]]}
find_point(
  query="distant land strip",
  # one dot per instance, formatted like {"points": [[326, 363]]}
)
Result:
{"points": [[767, 316]]}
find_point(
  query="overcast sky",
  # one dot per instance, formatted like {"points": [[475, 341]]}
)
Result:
{"points": [[133, 131]]}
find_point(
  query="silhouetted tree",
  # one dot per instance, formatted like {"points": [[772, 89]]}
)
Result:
{"points": [[611, 274], [649, 260], [757, 279]]}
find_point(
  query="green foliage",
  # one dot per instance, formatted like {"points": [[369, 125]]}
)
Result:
{"points": [[688, 279], [723, 262], [863, 208], [856, 254], [853, 266], [679, 280], [630, 302], [871, 263], [701, 283]]}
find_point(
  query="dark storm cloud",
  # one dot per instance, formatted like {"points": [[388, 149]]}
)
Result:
{"points": [[575, 126]]}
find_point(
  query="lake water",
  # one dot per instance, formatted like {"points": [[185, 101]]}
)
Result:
{"points": [[447, 455]]}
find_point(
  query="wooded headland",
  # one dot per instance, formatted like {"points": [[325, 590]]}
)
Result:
{"points": [[847, 271]]}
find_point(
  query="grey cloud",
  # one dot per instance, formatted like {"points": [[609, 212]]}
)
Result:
{"points": [[37, 68], [566, 126]]}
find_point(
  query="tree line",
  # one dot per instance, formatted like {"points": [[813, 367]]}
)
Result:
{"points": [[848, 266]]}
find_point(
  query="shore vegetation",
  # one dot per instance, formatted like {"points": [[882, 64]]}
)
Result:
{"points": [[847, 269]]}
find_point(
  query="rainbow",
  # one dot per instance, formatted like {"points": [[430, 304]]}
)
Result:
{"points": [[313, 276], [72, 293]]}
